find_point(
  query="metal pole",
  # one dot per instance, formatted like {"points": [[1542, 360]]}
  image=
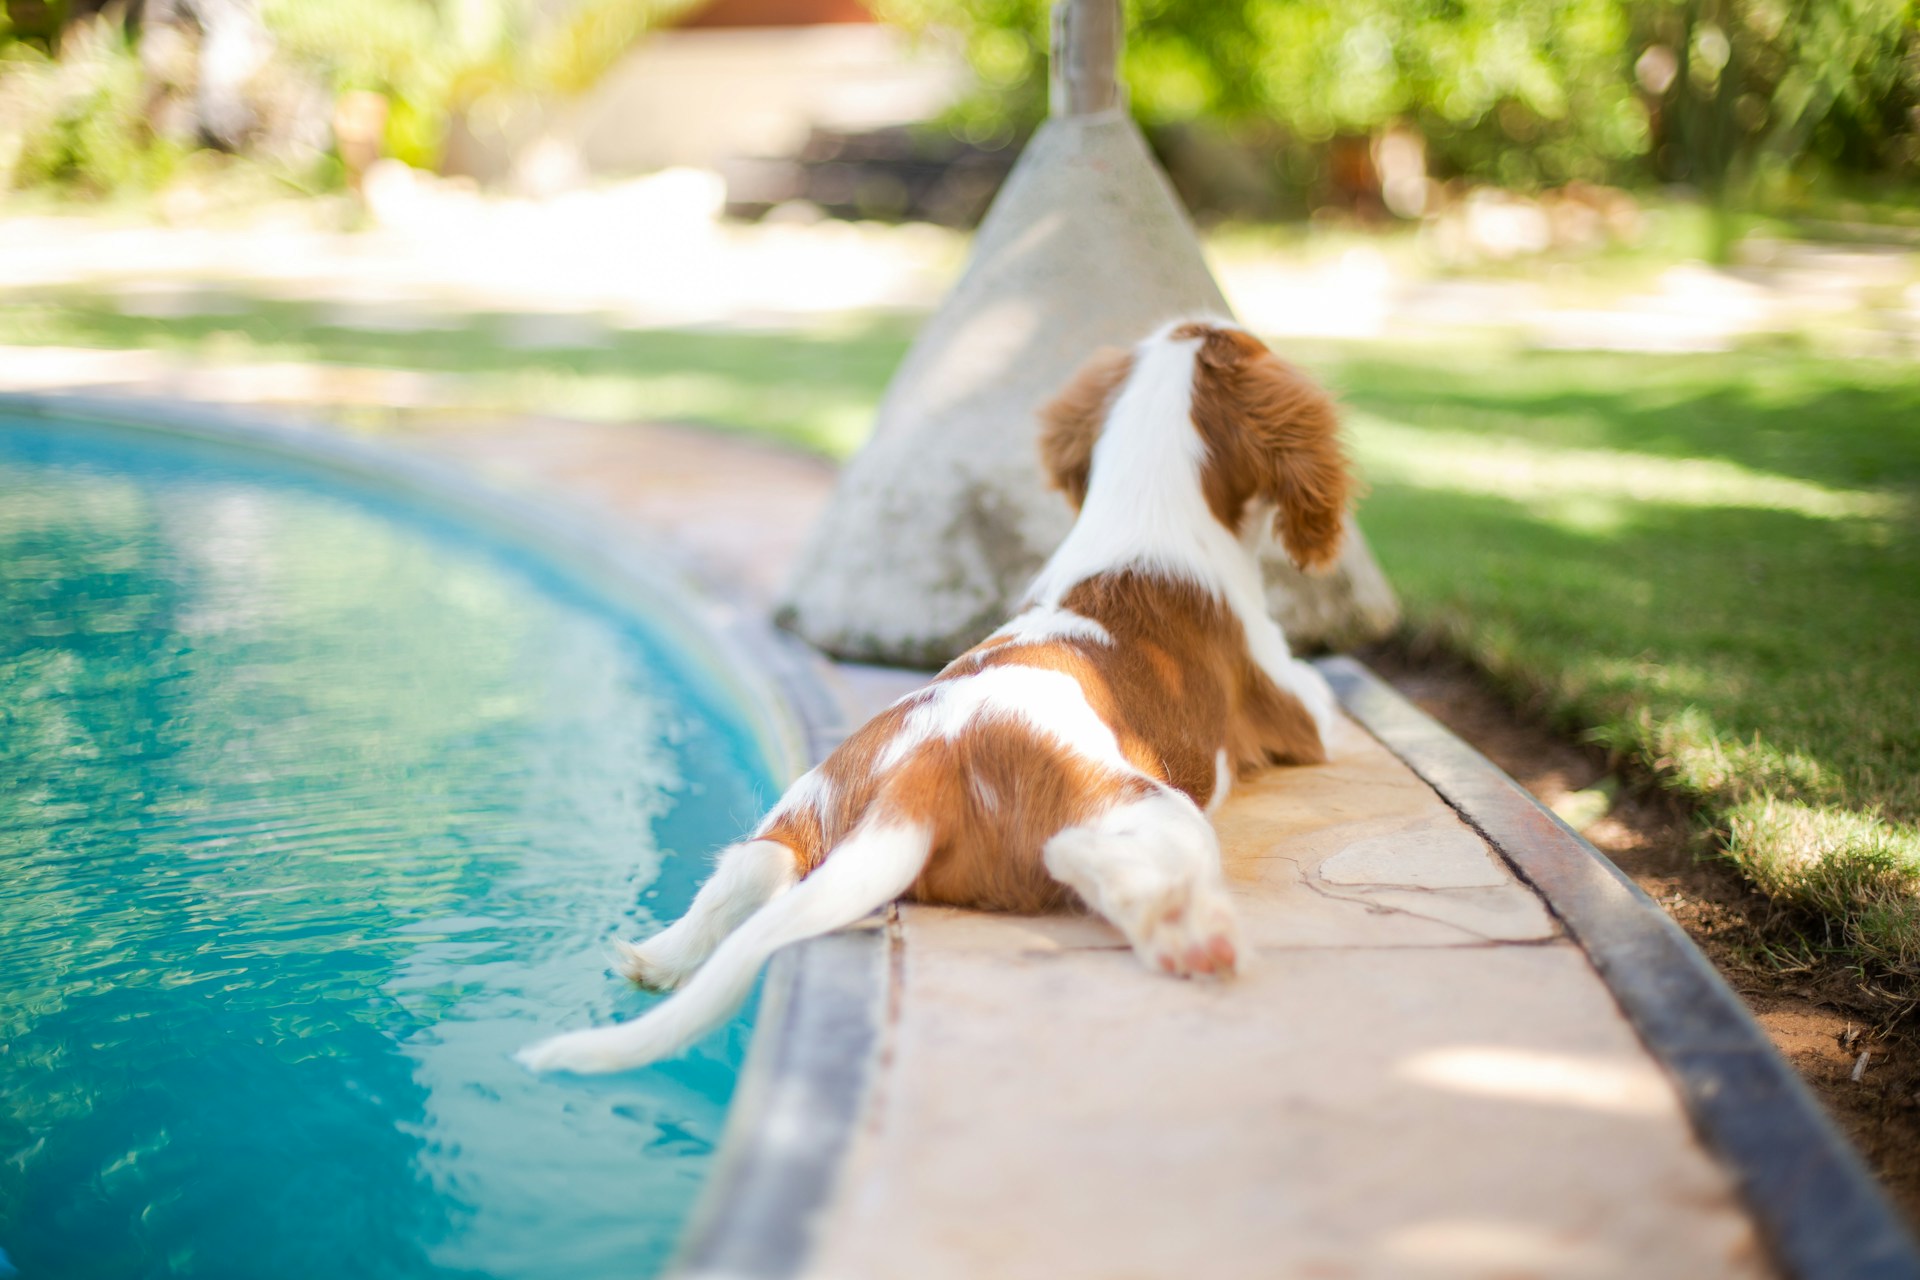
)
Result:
{"points": [[1085, 77]]}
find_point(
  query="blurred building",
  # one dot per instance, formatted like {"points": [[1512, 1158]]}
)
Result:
{"points": [[756, 78], [766, 92]]}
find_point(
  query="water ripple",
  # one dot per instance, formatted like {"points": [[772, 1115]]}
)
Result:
{"points": [[310, 812]]}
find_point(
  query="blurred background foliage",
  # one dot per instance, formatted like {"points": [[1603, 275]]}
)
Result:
{"points": [[108, 97], [1515, 91], [1760, 99]]}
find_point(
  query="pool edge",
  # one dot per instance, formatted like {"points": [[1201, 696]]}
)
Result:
{"points": [[801, 1100], [809, 1061], [792, 713]]}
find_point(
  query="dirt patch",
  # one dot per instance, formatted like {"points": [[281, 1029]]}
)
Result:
{"points": [[1829, 1020]]}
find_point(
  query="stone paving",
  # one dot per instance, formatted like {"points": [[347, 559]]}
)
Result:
{"points": [[1418, 1076]]}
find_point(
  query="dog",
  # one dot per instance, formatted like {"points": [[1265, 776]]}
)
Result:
{"points": [[1075, 755]]}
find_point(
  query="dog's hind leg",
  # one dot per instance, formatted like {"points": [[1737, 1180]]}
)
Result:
{"points": [[872, 867], [1152, 868], [747, 877]]}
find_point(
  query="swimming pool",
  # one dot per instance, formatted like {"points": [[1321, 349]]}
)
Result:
{"points": [[314, 805]]}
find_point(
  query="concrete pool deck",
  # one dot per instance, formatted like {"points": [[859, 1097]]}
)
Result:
{"points": [[1423, 1073]]}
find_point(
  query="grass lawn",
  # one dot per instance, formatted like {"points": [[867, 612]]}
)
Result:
{"points": [[814, 389], [1710, 564]]}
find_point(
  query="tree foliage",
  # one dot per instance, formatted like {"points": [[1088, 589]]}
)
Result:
{"points": [[1510, 90], [1522, 92], [77, 98], [1760, 85]]}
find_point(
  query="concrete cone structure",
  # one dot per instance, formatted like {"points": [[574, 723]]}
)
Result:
{"points": [[940, 522]]}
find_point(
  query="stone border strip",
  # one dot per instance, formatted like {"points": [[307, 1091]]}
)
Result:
{"points": [[1815, 1203], [800, 1100], [803, 1089]]}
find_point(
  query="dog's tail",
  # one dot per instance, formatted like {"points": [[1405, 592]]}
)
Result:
{"points": [[870, 868]]}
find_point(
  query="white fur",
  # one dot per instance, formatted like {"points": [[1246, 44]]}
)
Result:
{"points": [[1145, 508], [1222, 781], [869, 869], [1051, 703], [1048, 623], [1152, 867], [811, 790], [1267, 643], [748, 876]]}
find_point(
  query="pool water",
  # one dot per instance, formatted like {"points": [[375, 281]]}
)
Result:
{"points": [[313, 808]]}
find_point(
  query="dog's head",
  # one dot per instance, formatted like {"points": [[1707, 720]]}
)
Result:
{"points": [[1272, 436]]}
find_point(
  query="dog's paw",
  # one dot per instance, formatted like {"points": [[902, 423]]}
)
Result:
{"points": [[1192, 934], [650, 965], [581, 1052]]}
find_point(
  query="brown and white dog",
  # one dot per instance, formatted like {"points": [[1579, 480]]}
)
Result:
{"points": [[1073, 755]]}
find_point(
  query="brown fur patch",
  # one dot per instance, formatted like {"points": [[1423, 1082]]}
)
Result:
{"points": [[1270, 433], [1071, 421], [1182, 681], [852, 774], [1175, 686], [993, 796], [1270, 726]]}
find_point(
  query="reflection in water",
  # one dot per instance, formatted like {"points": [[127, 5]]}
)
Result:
{"points": [[309, 814]]}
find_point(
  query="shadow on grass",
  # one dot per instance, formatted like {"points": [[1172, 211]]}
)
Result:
{"points": [[813, 387], [1739, 626], [1760, 662], [848, 355], [1851, 424]]}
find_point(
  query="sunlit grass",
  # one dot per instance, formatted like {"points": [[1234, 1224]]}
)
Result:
{"points": [[814, 389], [1708, 564], [1546, 476]]}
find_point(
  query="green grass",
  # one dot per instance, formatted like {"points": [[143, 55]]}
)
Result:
{"points": [[1709, 564], [814, 389]]}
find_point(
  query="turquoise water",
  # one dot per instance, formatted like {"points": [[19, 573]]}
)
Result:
{"points": [[313, 809]]}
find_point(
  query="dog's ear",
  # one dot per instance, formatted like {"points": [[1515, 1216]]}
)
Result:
{"points": [[1293, 431], [1071, 421]]}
